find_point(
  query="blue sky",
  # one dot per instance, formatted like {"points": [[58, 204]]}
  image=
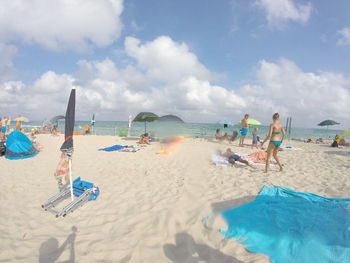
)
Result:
{"points": [[202, 60]]}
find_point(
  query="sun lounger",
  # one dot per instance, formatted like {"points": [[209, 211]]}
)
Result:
{"points": [[84, 191]]}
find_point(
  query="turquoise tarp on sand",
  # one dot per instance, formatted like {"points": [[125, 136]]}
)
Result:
{"points": [[293, 227]]}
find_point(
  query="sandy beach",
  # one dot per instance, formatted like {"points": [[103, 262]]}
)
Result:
{"points": [[151, 206]]}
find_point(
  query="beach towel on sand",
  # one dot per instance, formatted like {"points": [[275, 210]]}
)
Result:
{"points": [[291, 226], [220, 160], [113, 148], [121, 148], [258, 157], [287, 147]]}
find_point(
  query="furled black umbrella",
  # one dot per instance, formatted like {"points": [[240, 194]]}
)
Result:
{"points": [[145, 117], [67, 146], [170, 118], [328, 123]]}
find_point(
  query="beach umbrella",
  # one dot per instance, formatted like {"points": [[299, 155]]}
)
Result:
{"points": [[22, 118], [345, 132], [57, 118], [67, 146], [170, 118], [252, 122], [145, 117], [92, 122], [54, 120], [328, 123], [226, 123]]}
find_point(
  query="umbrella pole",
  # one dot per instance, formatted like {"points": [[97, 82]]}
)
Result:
{"points": [[70, 178], [145, 126]]}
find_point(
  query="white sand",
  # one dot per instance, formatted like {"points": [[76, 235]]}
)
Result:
{"points": [[151, 206]]}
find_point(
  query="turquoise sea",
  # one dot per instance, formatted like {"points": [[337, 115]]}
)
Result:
{"points": [[203, 130]]}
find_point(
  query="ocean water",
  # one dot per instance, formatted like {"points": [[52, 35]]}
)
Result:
{"points": [[200, 130]]}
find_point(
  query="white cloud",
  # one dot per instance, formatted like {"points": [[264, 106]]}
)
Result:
{"points": [[113, 92], [344, 39], [61, 24], [308, 97], [279, 12], [165, 60]]}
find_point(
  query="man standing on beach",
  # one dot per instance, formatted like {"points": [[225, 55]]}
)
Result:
{"points": [[3, 124], [244, 132]]}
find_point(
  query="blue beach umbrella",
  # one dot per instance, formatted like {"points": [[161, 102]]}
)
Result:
{"points": [[226, 123]]}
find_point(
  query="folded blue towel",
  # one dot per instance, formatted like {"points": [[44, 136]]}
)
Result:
{"points": [[291, 226], [114, 148]]}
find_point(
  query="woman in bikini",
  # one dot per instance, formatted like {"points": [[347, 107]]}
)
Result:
{"points": [[276, 129]]}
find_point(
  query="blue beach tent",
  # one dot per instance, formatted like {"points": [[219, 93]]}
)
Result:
{"points": [[19, 146]]}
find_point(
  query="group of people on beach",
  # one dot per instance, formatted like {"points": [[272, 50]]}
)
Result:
{"points": [[275, 137]]}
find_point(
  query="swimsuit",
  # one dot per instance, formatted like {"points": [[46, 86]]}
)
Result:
{"points": [[234, 157], [244, 131], [3, 129], [276, 143]]}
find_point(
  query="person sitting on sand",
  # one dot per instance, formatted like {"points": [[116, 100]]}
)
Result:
{"points": [[342, 142], [152, 137], [319, 140], [234, 136], [144, 139], [217, 134], [233, 157], [87, 129], [336, 141], [54, 130], [219, 137]]}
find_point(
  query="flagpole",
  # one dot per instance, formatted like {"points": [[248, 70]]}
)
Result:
{"points": [[70, 178]]}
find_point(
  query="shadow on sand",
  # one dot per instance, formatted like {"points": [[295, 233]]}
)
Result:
{"points": [[230, 204], [342, 153], [186, 250], [50, 251]]}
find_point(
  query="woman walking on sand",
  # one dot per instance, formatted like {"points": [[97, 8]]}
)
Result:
{"points": [[275, 132]]}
